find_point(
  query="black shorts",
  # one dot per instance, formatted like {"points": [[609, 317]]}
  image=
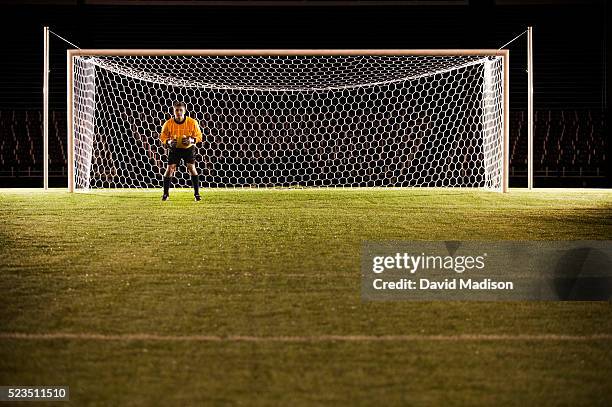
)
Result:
{"points": [[177, 154]]}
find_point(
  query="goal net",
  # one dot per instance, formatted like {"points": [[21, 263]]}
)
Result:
{"points": [[345, 120]]}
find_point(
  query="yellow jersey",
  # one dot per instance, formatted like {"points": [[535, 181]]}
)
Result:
{"points": [[173, 130]]}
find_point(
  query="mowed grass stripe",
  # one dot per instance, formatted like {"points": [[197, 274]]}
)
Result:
{"points": [[316, 338]]}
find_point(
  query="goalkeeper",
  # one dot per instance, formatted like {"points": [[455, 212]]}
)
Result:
{"points": [[179, 134]]}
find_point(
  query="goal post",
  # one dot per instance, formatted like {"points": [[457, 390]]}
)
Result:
{"points": [[320, 118]]}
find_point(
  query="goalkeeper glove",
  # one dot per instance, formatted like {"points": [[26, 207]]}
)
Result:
{"points": [[171, 143], [187, 140]]}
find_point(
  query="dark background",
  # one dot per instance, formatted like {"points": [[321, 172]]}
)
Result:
{"points": [[570, 58]]}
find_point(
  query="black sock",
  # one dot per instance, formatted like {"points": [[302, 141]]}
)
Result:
{"points": [[195, 181], [167, 181]]}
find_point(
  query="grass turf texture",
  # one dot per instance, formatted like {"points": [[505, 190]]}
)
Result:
{"points": [[271, 263]]}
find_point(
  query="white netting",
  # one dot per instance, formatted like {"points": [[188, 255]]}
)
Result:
{"points": [[293, 120]]}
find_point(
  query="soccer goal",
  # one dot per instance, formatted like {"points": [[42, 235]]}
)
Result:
{"points": [[292, 118]]}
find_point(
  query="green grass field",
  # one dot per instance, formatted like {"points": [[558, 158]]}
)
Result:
{"points": [[252, 297]]}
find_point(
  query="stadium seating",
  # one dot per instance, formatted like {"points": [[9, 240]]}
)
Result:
{"points": [[565, 142], [21, 149]]}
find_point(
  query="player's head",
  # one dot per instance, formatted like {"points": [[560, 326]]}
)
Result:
{"points": [[180, 109]]}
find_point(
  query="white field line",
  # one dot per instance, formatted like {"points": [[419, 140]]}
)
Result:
{"points": [[90, 336], [534, 191]]}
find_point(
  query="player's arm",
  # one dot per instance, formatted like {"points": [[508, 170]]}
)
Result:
{"points": [[166, 137], [197, 132]]}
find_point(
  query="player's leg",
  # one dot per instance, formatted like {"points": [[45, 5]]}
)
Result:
{"points": [[195, 178], [168, 179], [173, 160]]}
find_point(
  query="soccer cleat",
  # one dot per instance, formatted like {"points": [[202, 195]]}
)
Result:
{"points": [[165, 197], [197, 198]]}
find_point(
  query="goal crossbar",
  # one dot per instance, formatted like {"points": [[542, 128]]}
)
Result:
{"points": [[287, 52]]}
